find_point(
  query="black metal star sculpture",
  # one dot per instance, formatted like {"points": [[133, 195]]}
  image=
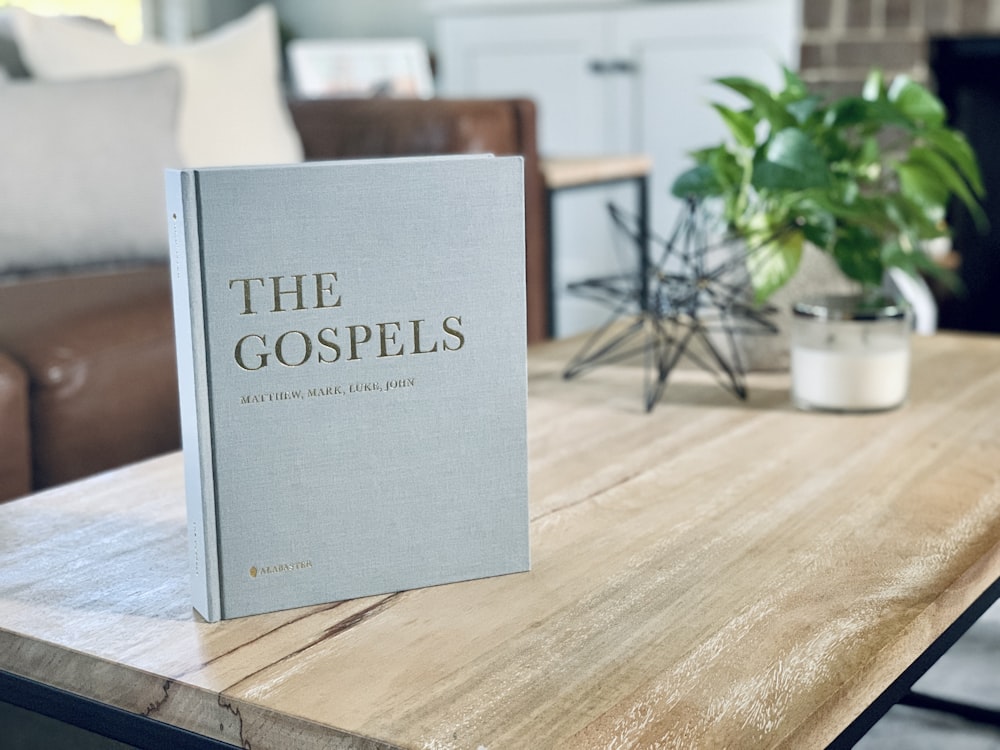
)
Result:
{"points": [[692, 298]]}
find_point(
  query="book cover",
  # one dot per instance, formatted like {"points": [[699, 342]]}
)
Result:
{"points": [[351, 357]]}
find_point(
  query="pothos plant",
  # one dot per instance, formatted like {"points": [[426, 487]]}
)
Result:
{"points": [[865, 178]]}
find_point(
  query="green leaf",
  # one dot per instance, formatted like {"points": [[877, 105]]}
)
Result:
{"points": [[729, 168], [772, 260], [850, 191], [746, 87], [703, 155], [871, 116], [922, 184], [803, 109], [870, 151], [817, 224], [790, 161], [819, 234], [858, 253], [895, 256], [848, 208], [954, 145], [833, 143], [930, 160], [923, 221], [795, 87], [920, 263], [853, 111], [846, 112], [765, 105], [698, 182], [874, 88], [740, 124], [916, 102]]}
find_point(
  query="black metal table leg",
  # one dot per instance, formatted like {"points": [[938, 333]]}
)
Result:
{"points": [[642, 213], [978, 714]]}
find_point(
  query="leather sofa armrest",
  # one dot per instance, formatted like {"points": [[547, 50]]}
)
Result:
{"points": [[15, 437], [358, 128], [354, 128], [98, 353]]}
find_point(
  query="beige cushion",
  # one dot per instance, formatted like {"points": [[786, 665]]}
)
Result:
{"points": [[81, 180], [233, 109]]}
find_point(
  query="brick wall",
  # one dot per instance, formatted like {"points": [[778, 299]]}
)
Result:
{"points": [[843, 39]]}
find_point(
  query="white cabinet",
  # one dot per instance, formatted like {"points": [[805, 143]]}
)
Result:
{"points": [[624, 78]]}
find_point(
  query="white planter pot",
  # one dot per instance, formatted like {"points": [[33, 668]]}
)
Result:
{"points": [[850, 353]]}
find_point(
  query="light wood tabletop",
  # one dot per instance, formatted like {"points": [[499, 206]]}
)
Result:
{"points": [[714, 574], [575, 171]]}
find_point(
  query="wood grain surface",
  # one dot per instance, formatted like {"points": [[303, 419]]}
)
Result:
{"points": [[567, 172], [715, 574]]}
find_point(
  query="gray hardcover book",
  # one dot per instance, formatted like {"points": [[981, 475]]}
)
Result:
{"points": [[351, 356]]}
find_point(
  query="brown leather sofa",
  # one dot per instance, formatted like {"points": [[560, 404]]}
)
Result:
{"points": [[87, 368]]}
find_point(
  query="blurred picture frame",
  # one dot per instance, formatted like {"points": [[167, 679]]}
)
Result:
{"points": [[325, 68]]}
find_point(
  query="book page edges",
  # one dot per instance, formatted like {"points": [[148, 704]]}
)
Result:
{"points": [[189, 326]]}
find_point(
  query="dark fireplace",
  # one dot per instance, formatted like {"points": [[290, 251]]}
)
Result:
{"points": [[967, 72]]}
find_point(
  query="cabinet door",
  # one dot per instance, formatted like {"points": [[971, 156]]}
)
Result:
{"points": [[544, 57], [679, 49]]}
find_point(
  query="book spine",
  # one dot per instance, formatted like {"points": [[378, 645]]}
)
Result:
{"points": [[189, 325]]}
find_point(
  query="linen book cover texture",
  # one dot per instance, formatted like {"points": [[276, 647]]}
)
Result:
{"points": [[351, 358]]}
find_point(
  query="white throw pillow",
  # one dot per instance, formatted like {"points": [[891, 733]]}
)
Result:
{"points": [[233, 109], [81, 181]]}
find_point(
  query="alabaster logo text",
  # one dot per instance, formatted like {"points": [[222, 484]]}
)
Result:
{"points": [[270, 570], [337, 342]]}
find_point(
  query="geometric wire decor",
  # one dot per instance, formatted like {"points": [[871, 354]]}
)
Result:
{"points": [[691, 297]]}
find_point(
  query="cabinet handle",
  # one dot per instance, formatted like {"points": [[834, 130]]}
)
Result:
{"points": [[608, 67], [627, 67]]}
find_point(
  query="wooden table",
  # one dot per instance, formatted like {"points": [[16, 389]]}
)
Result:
{"points": [[561, 173], [716, 573]]}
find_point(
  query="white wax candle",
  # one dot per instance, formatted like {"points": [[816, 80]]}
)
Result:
{"points": [[850, 380]]}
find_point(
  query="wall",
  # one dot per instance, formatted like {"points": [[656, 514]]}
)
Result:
{"points": [[356, 18], [843, 39], [179, 20]]}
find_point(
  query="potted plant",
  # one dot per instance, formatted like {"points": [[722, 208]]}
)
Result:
{"points": [[866, 179]]}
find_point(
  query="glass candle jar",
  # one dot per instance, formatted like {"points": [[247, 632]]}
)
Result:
{"points": [[850, 353]]}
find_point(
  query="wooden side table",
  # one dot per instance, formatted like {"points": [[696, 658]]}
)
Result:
{"points": [[572, 173]]}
